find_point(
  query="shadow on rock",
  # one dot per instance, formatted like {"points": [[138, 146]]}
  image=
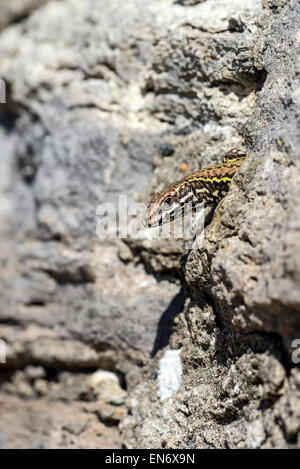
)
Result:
{"points": [[165, 325]]}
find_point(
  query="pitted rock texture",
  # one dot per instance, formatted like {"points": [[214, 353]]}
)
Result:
{"points": [[248, 258], [92, 106], [12, 11], [77, 134], [237, 331]]}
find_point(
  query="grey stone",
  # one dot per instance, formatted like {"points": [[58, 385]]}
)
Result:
{"points": [[15, 10], [244, 279]]}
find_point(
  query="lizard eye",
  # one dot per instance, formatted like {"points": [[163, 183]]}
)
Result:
{"points": [[168, 200]]}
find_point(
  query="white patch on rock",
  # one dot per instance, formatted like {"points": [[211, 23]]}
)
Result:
{"points": [[255, 434], [169, 374]]}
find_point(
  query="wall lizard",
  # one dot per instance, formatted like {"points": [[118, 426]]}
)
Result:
{"points": [[208, 185]]}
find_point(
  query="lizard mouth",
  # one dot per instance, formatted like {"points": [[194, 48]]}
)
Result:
{"points": [[152, 222], [162, 217]]}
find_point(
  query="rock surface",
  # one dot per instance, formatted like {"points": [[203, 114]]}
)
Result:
{"points": [[93, 107], [238, 327], [12, 11]]}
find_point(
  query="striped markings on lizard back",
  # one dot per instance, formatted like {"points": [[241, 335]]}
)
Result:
{"points": [[209, 185]]}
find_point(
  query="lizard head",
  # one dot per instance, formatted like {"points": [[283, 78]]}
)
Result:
{"points": [[167, 205], [234, 154]]}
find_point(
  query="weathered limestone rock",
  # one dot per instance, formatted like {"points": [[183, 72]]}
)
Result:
{"points": [[15, 10], [237, 331]]}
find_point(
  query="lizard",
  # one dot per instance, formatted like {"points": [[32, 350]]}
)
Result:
{"points": [[208, 185]]}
